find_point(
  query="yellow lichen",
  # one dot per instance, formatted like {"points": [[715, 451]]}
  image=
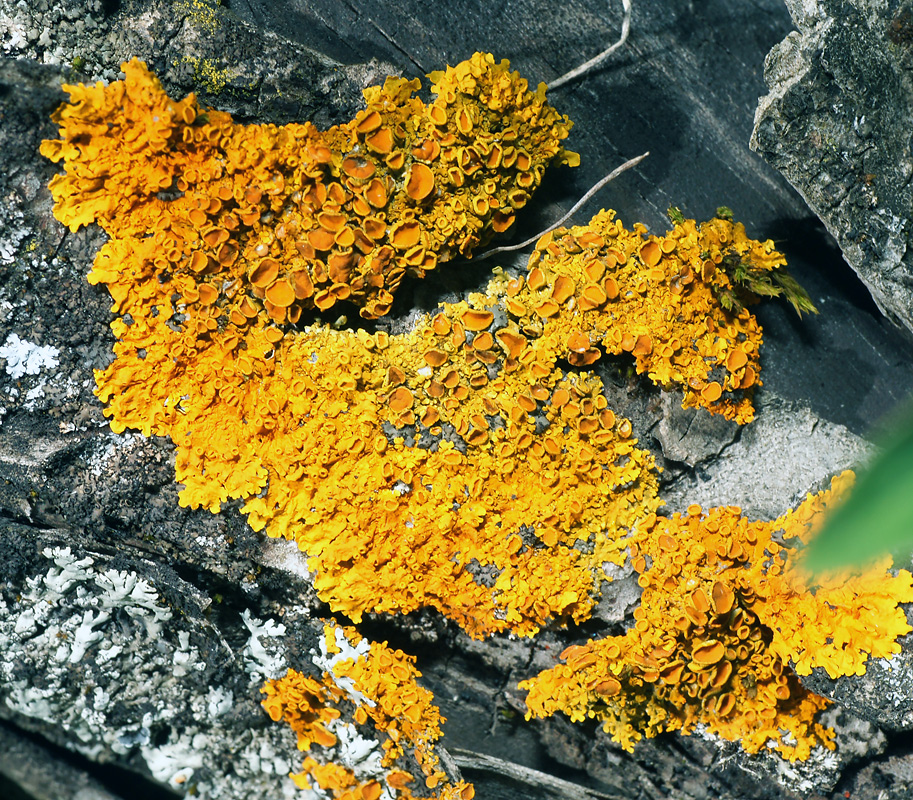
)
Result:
{"points": [[471, 465], [346, 213], [657, 298], [725, 623], [521, 461], [377, 689]]}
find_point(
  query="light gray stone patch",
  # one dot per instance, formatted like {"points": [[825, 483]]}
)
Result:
{"points": [[784, 454]]}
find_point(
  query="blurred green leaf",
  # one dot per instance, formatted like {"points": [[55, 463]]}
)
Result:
{"points": [[877, 517]]}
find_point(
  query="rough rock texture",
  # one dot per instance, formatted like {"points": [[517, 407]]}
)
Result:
{"points": [[117, 660], [134, 632], [31, 768], [762, 469], [836, 124], [882, 695]]}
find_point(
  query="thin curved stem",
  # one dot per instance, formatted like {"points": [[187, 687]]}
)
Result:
{"points": [[597, 60], [596, 187]]}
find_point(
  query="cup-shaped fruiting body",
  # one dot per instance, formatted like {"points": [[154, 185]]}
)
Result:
{"points": [[304, 218], [605, 288], [365, 723], [725, 623]]}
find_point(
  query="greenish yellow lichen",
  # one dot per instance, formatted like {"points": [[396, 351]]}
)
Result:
{"points": [[208, 74]]}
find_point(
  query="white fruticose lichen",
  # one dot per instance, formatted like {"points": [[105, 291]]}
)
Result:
{"points": [[25, 358], [15, 230], [96, 654], [326, 661], [363, 756], [262, 662], [809, 775]]}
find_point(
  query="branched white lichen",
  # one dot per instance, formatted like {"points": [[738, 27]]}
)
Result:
{"points": [[261, 661], [97, 653], [26, 358], [326, 661]]}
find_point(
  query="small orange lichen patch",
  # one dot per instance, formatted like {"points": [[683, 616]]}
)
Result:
{"points": [[476, 320], [723, 616], [375, 687], [648, 298], [294, 196]]}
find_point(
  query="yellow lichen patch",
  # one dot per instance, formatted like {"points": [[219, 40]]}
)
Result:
{"points": [[369, 698], [494, 469], [291, 200], [501, 485], [724, 625], [854, 616], [499, 512], [653, 297]]}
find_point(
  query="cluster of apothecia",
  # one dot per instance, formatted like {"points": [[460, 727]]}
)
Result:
{"points": [[471, 465]]}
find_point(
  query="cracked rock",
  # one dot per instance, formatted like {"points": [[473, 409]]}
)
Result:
{"points": [[837, 125]]}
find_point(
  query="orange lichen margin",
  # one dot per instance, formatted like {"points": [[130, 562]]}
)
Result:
{"points": [[724, 625], [294, 217], [377, 690]]}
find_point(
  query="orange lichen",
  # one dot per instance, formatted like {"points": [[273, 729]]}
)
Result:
{"points": [[471, 465], [368, 689], [522, 483], [650, 298], [726, 621], [321, 208]]}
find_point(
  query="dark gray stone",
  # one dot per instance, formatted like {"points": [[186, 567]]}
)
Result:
{"points": [[837, 124], [691, 435], [774, 463]]}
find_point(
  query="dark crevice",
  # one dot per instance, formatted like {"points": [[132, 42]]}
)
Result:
{"points": [[119, 781]]}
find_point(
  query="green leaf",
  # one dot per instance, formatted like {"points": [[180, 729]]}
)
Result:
{"points": [[729, 301], [675, 215], [877, 517]]}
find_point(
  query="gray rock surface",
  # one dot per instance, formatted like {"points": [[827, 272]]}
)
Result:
{"points": [[881, 696], [836, 124], [690, 74], [30, 767], [120, 660], [772, 464]]}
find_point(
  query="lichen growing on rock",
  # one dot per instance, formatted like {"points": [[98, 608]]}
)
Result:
{"points": [[375, 686], [726, 622], [294, 217], [663, 299], [506, 476], [471, 465]]}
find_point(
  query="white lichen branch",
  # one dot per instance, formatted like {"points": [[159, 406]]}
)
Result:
{"points": [[597, 60]]}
